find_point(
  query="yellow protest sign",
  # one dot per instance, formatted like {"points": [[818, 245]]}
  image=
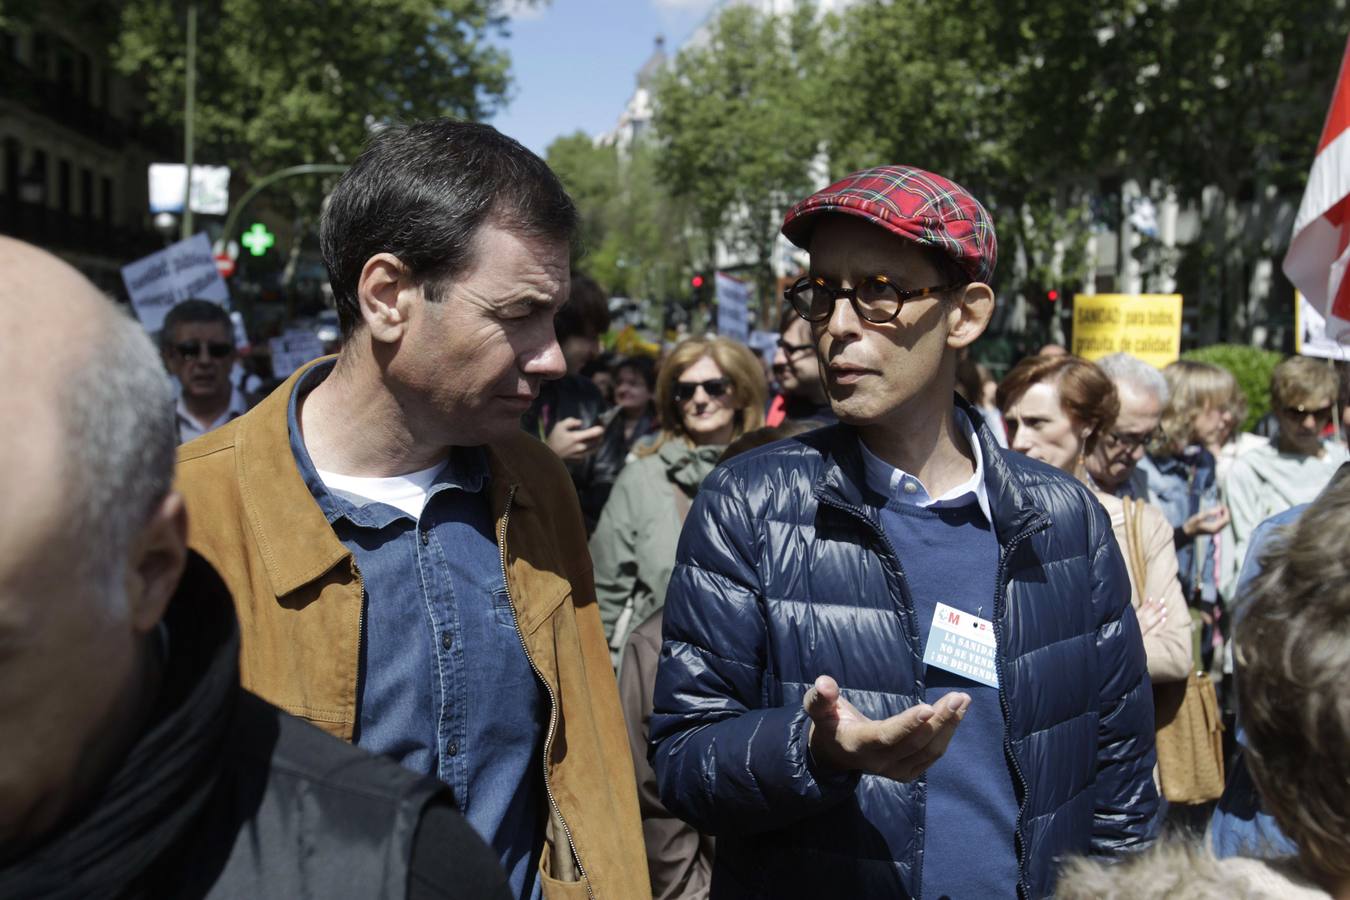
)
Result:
{"points": [[1144, 325]]}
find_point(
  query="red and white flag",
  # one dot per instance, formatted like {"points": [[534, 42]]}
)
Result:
{"points": [[1319, 252]]}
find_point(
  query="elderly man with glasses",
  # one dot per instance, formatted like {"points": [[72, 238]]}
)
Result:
{"points": [[899, 661], [1114, 465], [197, 344]]}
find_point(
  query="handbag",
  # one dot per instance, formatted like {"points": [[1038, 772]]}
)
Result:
{"points": [[1187, 724]]}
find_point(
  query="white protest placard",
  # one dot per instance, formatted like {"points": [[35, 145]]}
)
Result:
{"points": [[210, 188], [293, 349], [733, 307], [1314, 335], [765, 343], [159, 282]]}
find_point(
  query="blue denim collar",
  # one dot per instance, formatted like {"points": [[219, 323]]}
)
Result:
{"points": [[466, 470]]}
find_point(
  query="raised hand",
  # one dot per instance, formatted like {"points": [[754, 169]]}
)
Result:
{"points": [[571, 442], [1211, 521], [901, 747]]}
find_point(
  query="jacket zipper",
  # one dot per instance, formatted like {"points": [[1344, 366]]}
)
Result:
{"points": [[1000, 661], [914, 636], [552, 698], [360, 642]]}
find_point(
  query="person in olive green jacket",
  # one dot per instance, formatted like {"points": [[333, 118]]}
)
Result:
{"points": [[708, 393]]}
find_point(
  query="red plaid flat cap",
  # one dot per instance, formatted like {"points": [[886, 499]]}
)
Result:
{"points": [[918, 206]]}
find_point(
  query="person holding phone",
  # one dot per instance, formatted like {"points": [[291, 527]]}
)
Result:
{"points": [[708, 393], [566, 415]]}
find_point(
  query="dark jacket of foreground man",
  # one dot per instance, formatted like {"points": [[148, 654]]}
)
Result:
{"points": [[785, 572], [225, 796]]}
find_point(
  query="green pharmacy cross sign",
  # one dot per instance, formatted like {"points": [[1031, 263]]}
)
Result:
{"points": [[258, 239]]}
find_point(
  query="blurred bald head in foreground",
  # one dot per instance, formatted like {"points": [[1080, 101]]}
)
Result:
{"points": [[94, 542], [132, 763]]}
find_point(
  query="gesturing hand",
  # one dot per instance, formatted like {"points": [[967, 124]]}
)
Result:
{"points": [[1211, 521], [901, 747]]}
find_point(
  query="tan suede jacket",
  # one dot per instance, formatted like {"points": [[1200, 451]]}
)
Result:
{"points": [[299, 597]]}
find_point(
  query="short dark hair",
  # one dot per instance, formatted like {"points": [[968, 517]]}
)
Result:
{"points": [[192, 312], [644, 366], [586, 311], [421, 192]]}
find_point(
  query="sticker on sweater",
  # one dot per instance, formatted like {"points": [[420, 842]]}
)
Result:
{"points": [[962, 644]]}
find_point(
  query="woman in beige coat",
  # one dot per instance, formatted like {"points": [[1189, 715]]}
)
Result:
{"points": [[1057, 408]]}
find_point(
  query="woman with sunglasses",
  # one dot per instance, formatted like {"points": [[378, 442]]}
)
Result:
{"points": [[1293, 466], [1057, 409], [708, 393]]}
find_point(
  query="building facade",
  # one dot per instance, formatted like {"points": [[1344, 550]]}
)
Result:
{"points": [[73, 155]]}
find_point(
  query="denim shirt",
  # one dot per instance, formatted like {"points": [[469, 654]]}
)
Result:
{"points": [[444, 685], [1182, 486]]}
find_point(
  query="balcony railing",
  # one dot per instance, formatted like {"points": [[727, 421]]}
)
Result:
{"points": [[64, 106], [55, 230]]}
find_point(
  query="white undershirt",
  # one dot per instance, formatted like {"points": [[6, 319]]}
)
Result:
{"points": [[405, 492]]}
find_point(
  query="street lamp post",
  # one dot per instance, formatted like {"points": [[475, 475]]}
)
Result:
{"points": [[242, 203], [189, 111]]}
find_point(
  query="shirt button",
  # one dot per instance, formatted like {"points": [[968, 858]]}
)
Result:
{"points": [[452, 749], [426, 537], [910, 488], [447, 639]]}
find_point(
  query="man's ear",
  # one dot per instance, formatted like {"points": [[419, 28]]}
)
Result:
{"points": [[383, 294], [969, 314], [158, 558]]}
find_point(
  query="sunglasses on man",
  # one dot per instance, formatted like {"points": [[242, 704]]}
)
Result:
{"points": [[194, 349], [1321, 414], [684, 391]]}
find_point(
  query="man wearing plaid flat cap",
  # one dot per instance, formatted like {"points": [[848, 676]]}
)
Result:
{"points": [[900, 661]]}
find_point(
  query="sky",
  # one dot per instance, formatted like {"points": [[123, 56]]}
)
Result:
{"points": [[574, 61]]}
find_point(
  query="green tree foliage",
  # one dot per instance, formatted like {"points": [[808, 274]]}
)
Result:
{"points": [[633, 235], [1040, 107], [591, 175], [737, 129], [1228, 98], [285, 83]]}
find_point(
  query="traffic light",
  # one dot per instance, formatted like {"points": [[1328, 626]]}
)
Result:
{"points": [[698, 288], [1052, 295]]}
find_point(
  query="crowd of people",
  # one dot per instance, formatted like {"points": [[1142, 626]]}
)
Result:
{"points": [[475, 609]]}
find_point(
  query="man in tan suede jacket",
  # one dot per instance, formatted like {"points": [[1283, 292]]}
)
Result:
{"points": [[410, 568]]}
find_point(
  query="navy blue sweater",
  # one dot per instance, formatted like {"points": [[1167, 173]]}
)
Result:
{"points": [[950, 556]]}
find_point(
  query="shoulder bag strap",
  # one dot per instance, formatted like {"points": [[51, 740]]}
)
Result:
{"points": [[1134, 545]]}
